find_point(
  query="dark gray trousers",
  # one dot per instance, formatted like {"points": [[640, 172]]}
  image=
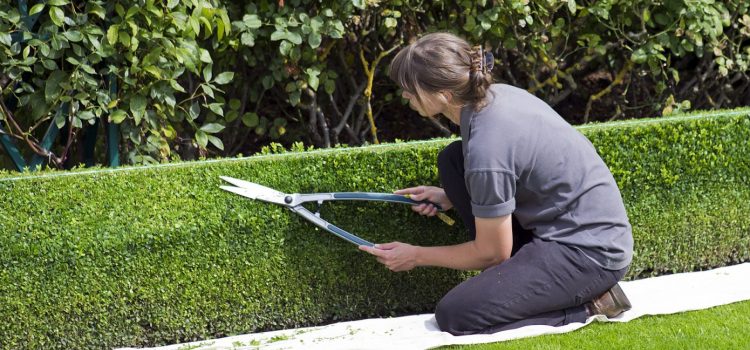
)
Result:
{"points": [[542, 283]]}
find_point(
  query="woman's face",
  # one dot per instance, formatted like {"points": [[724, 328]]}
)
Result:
{"points": [[430, 105]]}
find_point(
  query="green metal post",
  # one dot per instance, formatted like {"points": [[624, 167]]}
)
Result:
{"points": [[12, 150], [113, 130], [49, 138], [7, 143]]}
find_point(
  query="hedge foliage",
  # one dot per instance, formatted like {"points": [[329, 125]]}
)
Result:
{"points": [[147, 256], [217, 77]]}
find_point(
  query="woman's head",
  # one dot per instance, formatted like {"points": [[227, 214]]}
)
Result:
{"points": [[445, 67]]}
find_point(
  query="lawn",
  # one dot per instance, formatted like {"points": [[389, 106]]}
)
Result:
{"points": [[723, 327]]}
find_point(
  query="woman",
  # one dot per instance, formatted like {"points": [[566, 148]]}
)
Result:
{"points": [[547, 223]]}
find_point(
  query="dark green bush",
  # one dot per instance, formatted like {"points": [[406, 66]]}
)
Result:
{"points": [[156, 255]]}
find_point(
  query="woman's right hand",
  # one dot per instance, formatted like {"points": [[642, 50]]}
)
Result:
{"points": [[427, 193]]}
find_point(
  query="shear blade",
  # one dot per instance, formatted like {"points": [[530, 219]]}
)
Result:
{"points": [[254, 191]]}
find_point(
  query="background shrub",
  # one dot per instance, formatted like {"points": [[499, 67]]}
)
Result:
{"points": [[219, 78]]}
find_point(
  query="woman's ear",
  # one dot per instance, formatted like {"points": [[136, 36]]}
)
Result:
{"points": [[447, 96]]}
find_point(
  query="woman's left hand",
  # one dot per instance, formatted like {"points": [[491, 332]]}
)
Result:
{"points": [[396, 256]]}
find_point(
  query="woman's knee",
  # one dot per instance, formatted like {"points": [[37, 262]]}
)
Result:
{"points": [[452, 316]]}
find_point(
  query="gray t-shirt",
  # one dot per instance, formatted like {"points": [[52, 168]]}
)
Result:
{"points": [[521, 157]]}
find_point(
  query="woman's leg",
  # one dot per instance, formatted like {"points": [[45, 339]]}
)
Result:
{"points": [[451, 171], [545, 283]]}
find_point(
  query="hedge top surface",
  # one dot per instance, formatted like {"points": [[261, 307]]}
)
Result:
{"points": [[718, 114]]}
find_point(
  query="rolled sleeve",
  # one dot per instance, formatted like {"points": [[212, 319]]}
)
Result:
{"points": [[493, 211], [492, 192]]}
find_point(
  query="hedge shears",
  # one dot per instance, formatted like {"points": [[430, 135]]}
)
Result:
{"points": [[294, 202]]}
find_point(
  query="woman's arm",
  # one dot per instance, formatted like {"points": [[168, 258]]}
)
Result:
{"points": [[493, 244]]}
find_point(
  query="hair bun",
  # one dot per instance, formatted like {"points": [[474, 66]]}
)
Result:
{"points": [[481, 61]]}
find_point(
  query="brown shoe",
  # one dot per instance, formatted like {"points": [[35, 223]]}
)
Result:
{"points": [[612, 303]]}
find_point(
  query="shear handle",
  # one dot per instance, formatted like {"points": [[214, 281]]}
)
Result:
{"points": [[302, 211], [361, 196]]}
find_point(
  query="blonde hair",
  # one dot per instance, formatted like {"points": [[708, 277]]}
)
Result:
{"points": [[444, 62]]}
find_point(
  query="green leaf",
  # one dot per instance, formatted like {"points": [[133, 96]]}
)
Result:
{"points": [[294, 98], [231, 116], [113, 34], [250, 119], [88, 69], [227, 23], [194, 111], [208, 72], [314, 40], [201, 138], [132, 11], [217, 108], [639, 56], [278, 35], [175, 85], [97, 10], [279, 122], [235, 104], [124, 38], [360, 4], [205, 56], [86, 115], [216, 142], [316, 23], [572, 6], [36, 9], [208, 90], [6, 39], [156, 72], [294, 37], [391, 22], [247, 39], [58, 2], [138, 108], [252, 21], [330, 86], [470, 23], [285, 47], [52, 85], [312, 77], [224, 78], [195, 25], [77, 123], [207, 25], [57, 16], [220, 30], [60, 121], [212, 128], [117, 116]]}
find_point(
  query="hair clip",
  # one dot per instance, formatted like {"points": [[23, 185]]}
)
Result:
{"points": [[488, 62]]}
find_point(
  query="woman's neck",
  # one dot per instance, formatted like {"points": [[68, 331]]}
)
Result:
{"points": [[453, 113]]}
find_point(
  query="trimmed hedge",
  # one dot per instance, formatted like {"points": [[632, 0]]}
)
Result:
{"points": [[147, 256]]}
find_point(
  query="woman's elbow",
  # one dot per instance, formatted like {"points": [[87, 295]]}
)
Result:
{"points": [[494, 258]]}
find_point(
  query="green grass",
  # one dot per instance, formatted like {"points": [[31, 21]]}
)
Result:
{"points": [[723, 327]]}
